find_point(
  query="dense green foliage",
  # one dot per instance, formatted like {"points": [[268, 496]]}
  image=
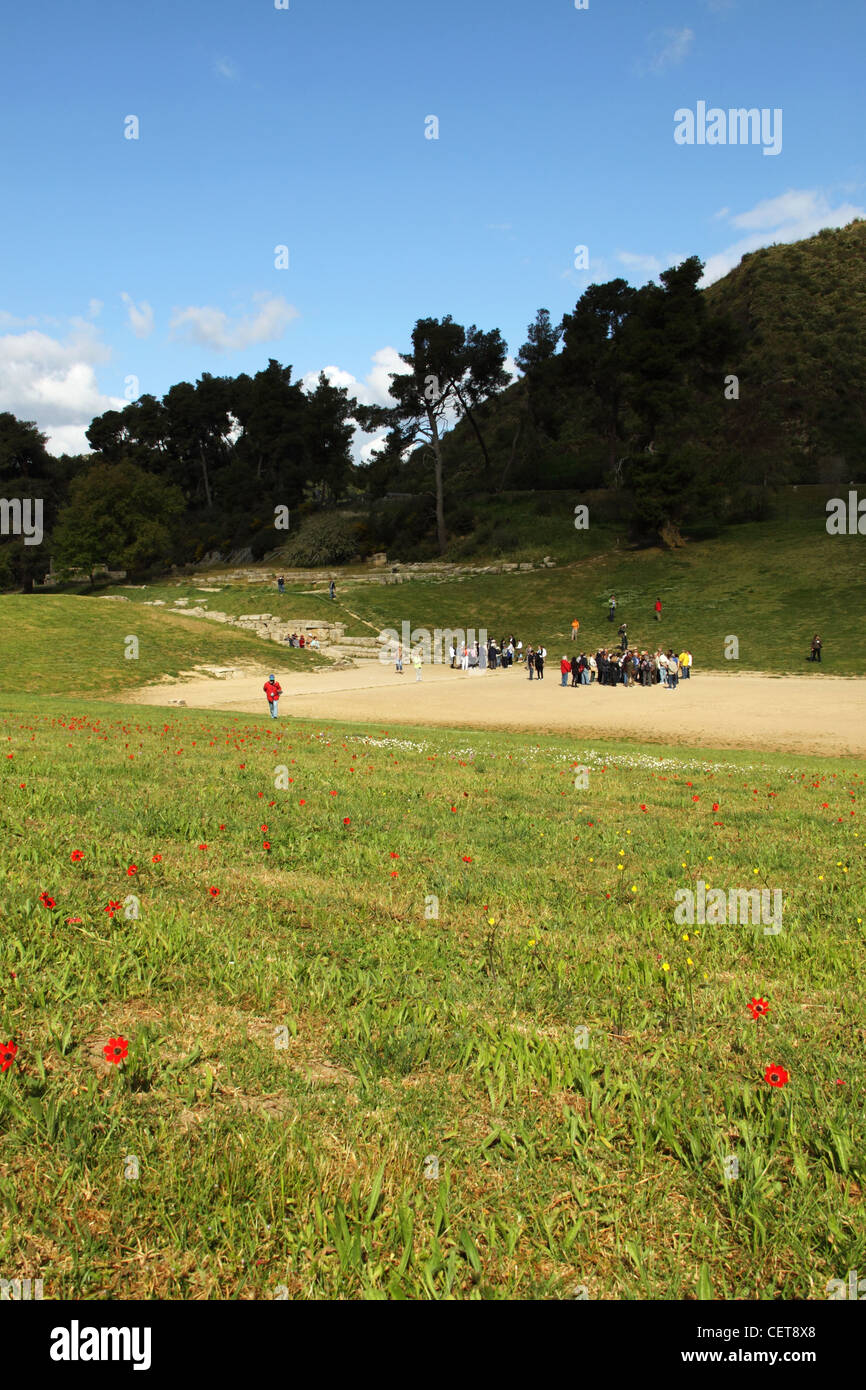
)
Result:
{"points": [[690, 405]]}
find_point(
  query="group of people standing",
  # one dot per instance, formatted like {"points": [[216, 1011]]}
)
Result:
{"points": [[628, 667]]}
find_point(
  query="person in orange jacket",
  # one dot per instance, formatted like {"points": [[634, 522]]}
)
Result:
{"points": [[273, 690]]}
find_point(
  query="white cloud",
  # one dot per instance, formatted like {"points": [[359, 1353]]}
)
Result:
{"points": [[224, 67], [54, 383], [94, 308], [651, 265], [373, 390], [669, 48], [12, 321], [791, 216], [214, 329], [140, 316]]}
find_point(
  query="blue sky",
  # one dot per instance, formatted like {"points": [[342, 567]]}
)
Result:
{"points": [[154, 257]]}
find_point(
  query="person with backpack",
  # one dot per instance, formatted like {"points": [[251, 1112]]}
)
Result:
{"points": [[273, 690]]}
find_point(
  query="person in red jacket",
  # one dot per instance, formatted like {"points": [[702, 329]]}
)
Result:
{"points": [[565, 669], [273, 690], [658, 610]]}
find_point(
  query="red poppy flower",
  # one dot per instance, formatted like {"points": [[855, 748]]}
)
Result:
{"points": [[115, 1050], [7, 1055], [214, 892], [266, 844], [112, 907], [133, 869], [76, 855], [776, 1076], [643, 808], [156, 859], [715, 805], [394, 854], [264, 828], [73, 921], [393, 873], [332, 793], [47, 901], [467, 859], [453, 808], [347, 820], [302, 803], [759, 1008], [696, 798]]}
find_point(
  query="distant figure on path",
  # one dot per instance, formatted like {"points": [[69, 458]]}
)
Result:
{"points": [[816, 648], [623, 637], [398, 659], [565, 669], [530, 661], [673, 670], [332, 590], [685, 664], [416, 662], [281, 585], [658, 610], [540, 654], [273, 690], [611, 614], [574, 628], [302, 641]]}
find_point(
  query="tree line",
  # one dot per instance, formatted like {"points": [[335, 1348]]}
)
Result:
{"points": [[636, 389]]}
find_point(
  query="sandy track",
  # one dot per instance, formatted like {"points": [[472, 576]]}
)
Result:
{"points": [[816, 714]]}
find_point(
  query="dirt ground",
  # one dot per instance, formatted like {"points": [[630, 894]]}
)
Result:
{"points": [[818, 714]]}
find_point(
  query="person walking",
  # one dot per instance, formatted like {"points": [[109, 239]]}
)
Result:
{"points": [[565, 669], [540, 655], [816, 648], [281, 585], [530, 661], [332, 591], [416, 662], [623, 637], [575, 625], [398, 659], [658, 610], [611, 608], [273, 690]]}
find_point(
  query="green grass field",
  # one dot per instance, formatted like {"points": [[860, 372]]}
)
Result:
{"points": [[59, 644], [400, 986], [770, 584]]}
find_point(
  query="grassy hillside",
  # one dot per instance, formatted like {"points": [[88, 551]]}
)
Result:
{"points": [[331, 1089], [69, 645], [771, 584]]}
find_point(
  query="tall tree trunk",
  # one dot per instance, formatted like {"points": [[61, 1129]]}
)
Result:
{"points": [[204, 474], [441, 534], [471, 418]]}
